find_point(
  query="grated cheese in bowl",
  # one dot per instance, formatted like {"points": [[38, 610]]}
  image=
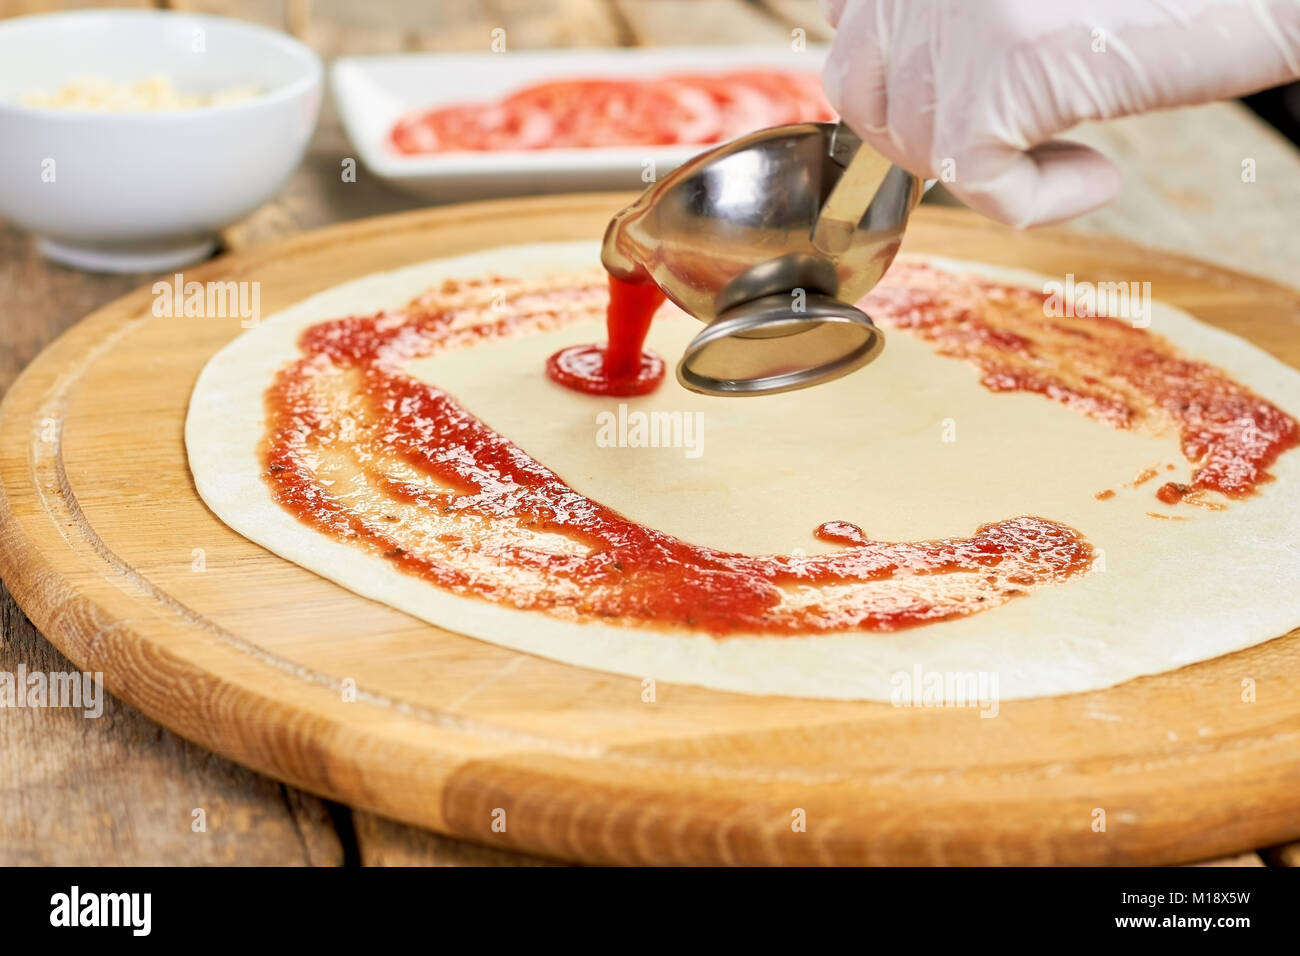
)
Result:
{"points": [[156, 92]]}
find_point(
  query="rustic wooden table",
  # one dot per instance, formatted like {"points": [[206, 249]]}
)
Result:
{"points": [[122, 790]]}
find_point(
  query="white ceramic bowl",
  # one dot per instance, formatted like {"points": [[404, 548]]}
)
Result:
{"points": [[145, 191]]}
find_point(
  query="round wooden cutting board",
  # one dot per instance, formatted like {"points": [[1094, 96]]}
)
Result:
{"points": [[108, 548]]}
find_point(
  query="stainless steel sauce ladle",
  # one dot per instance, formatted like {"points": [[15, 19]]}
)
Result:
{"points": [[770, 239]]}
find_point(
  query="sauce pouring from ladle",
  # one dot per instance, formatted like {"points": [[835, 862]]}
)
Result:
{"points": [[769, 239]]}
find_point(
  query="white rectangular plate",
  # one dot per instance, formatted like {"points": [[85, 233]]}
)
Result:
{"points": [[373, 92]]}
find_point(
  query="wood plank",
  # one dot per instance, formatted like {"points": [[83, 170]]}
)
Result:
{"points": [[338, 27], [19, 8], [297, 18], [41, 299], [117, 789], [120, 790], [556, 23], [1286, 855], [384, 842], [684, 22], [270, 13], [1240, 859], [805, 15], [273, 13], [1183, 187]]}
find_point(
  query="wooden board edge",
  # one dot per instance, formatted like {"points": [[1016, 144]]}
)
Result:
{"points": [[26, 569]]}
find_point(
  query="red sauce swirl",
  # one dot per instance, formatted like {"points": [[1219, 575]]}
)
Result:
{"points": [[365, 453], [1102, 367], [368, 454]]}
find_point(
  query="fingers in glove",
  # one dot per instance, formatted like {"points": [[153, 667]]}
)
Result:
{"points": [[1050, 183]]}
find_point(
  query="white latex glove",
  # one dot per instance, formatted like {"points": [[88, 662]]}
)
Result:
{"points": [[984, 86]]}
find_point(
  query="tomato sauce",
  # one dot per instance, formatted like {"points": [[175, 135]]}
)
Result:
{"points": [[420, 481], [1171, 492], [694, 108], [1102, 367], [621, 366], [368, 454]]}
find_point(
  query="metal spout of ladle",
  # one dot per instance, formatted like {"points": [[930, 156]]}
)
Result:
{"points": [[770, 239]]}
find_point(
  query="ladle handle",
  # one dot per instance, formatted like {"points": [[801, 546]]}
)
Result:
{"points": [[865, 170]]}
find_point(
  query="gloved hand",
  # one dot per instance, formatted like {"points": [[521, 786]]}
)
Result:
{"points": [[982, 87]]}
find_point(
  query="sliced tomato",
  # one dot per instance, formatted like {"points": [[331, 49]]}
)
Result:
{"points": [[622, 112], [687, 108], [741, 109], [792, 97]]}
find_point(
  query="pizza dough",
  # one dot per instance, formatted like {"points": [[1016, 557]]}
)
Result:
{"points": [[912, 447]]}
